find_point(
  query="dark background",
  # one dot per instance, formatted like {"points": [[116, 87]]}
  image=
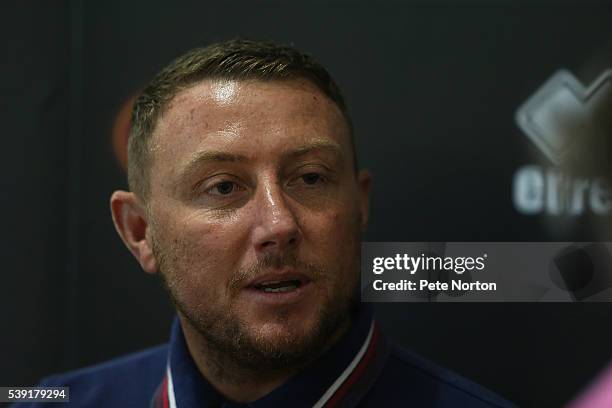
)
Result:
{"points": [[432, 87]]}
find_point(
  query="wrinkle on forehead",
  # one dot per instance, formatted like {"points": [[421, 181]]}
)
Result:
{"points": [[233, 96], [195, 106], [230, 109]]}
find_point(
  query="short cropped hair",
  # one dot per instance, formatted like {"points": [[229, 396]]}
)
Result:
{"points": [[229, 60]]}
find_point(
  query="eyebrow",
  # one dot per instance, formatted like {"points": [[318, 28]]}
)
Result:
{"points": [[204, 157], [326, 145]]}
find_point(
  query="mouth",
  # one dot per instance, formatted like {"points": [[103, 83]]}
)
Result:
{"points": [[279, 287], [279, 282]]}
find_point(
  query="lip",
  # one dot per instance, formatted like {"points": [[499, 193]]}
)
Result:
{"points": [[286, 275], [256, 296]]}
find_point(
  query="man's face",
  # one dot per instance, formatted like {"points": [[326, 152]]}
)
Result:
{"points": [[255, 215]]}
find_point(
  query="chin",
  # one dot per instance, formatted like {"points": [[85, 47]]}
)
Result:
{"points": [[285, 325]]}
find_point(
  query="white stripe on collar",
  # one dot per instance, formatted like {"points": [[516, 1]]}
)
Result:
{"points": [[170, 385], [347, 371], [328, 394]]}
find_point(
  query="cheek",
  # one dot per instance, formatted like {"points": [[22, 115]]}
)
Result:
{"points": [[199, 252], [337, 222], [335, 234], [337, 247]]}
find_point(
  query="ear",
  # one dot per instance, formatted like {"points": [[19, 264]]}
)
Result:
{"points": [[364, 182], [130, 220]]}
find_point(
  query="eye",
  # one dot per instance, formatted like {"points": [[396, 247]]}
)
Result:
{"points": [[222, 188], [311, 178]]}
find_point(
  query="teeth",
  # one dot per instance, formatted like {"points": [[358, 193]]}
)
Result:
{"points": [[281, 289], [279, 286]]}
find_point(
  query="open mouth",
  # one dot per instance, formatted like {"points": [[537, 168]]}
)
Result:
{"points": [[278, 286]]}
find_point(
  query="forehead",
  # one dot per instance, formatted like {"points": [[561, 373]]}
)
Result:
{"points": [[242, 114]]}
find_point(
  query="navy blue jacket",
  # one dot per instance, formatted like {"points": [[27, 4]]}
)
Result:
{"points": [[362, 370]]}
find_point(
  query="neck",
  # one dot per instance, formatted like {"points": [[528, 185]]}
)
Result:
{"points": [[234, 382]]}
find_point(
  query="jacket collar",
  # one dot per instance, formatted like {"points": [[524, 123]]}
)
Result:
{"points": [[344, 372]]}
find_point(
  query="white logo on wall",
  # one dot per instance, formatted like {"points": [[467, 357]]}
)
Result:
{"points": [[561, 111], [554, 118], [540, 190]]}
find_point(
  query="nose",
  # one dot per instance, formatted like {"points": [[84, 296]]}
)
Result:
{"points": [[276, 228]]}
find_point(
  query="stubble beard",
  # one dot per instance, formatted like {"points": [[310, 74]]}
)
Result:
{"points": [[230, 344]]}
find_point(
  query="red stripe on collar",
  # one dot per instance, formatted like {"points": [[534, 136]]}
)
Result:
{"points": [[359, 370], [164, 393]]}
